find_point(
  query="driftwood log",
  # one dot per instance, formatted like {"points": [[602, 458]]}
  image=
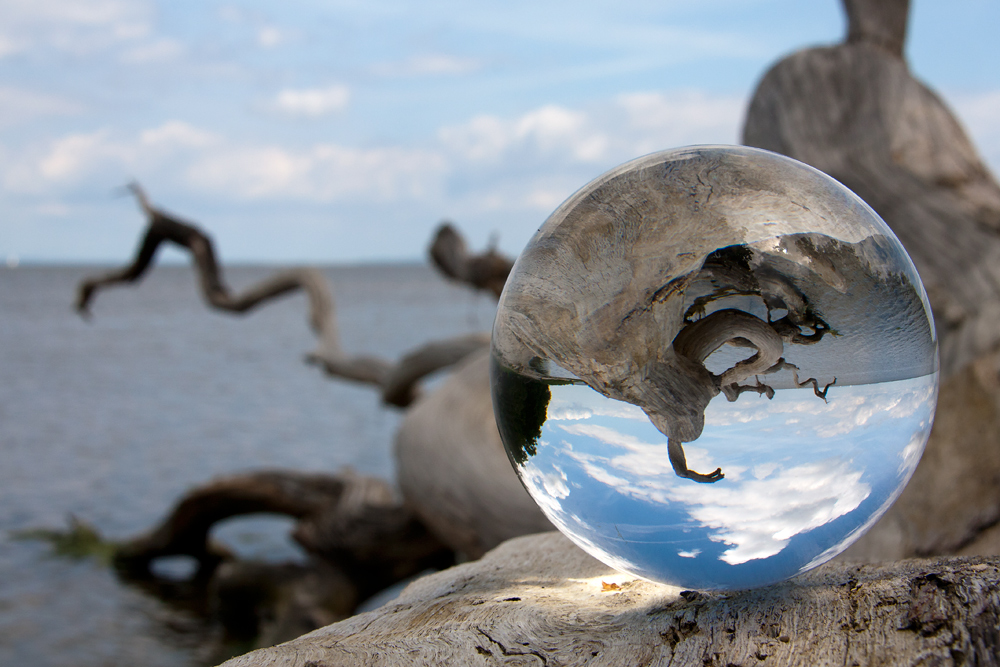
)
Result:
{"points": [[854, 111], [539, 600]]}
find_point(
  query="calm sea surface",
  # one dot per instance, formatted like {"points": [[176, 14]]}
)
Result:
{"points": [[112, 420]]}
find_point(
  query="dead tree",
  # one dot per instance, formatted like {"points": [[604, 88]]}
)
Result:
{"points": [[854, 111]]}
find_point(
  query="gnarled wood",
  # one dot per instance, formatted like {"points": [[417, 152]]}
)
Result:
{"points": [[397, 381], [540, 600], [185, 530], [354, 522]]}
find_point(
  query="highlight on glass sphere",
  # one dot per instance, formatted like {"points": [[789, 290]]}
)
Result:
{"points": [[714, 367]]}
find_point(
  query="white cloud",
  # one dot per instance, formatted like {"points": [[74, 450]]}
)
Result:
{"points": [[82, 12], [757, 518], [9, 45], [18, 105], [526, 162], [205, 161], [177, 133], [75, 26], [550, 129], [269, 37], [428, 65], [618, 130], [324, 172], [659, 120], [312, 102], [78, 157], [547, 488], [162, 50], [72, 155]]}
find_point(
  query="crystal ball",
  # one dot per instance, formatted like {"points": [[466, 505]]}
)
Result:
{"points": [[714, 367]]}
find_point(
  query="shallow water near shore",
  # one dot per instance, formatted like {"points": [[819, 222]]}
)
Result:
{"points": [[114, 419]]}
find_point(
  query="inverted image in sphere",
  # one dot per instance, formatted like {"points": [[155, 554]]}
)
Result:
{"points": [[714, 367]]}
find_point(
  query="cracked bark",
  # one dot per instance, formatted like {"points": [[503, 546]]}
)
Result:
{"points": [[540, 600]]}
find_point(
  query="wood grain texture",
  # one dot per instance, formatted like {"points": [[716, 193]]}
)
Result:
{"points": [[539, 600]]}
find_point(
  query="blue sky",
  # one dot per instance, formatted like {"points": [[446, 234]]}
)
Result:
{"points": [[343, 131]]}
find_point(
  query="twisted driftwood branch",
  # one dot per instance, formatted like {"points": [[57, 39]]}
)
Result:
{"points": [[362, 539], [356, 523], [397, 381], [539, 600]]}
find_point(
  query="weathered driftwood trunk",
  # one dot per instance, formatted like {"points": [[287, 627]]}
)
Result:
{"points": [[854, 111], [540, 600]]}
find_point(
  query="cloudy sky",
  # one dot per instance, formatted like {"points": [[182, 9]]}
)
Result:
{"points": [[342, 130]]}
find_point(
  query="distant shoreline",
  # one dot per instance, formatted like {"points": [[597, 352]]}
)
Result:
{"points": [[170, 262]]}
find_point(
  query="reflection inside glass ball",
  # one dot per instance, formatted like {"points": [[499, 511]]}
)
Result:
{"points": [[714, 367]]}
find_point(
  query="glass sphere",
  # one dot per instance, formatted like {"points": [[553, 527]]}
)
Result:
{"points": [[714, 367]]}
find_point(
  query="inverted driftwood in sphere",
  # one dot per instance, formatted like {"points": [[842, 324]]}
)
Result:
{"points": [[540, 600]]}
